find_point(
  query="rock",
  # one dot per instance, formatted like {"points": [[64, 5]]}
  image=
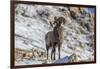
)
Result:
{"points": [[32, 22]]}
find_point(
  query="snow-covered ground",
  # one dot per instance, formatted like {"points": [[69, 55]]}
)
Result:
{"points": [[32, 24]]}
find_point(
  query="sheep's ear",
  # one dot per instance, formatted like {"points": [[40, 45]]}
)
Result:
{"points": [[51, 24], [55, 18], [64, 21]]}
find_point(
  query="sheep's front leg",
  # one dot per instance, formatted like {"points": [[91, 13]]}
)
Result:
{"points": [[53, 54], [54, 50], [59, 49]]}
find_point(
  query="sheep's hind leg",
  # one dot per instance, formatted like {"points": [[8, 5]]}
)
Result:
{"points": [[47, 47], [54, 53], [54, 47]]}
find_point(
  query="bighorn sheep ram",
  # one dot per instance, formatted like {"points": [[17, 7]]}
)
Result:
{"points": [[54, 38]]}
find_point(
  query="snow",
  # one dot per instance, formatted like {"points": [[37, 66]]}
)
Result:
{"points": [[32, 24]]}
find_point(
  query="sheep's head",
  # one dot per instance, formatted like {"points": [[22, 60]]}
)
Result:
{"points": [[61, 20], [54, 20]]}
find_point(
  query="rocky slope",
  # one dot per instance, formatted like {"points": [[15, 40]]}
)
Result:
{"points": [[32, 24]]}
